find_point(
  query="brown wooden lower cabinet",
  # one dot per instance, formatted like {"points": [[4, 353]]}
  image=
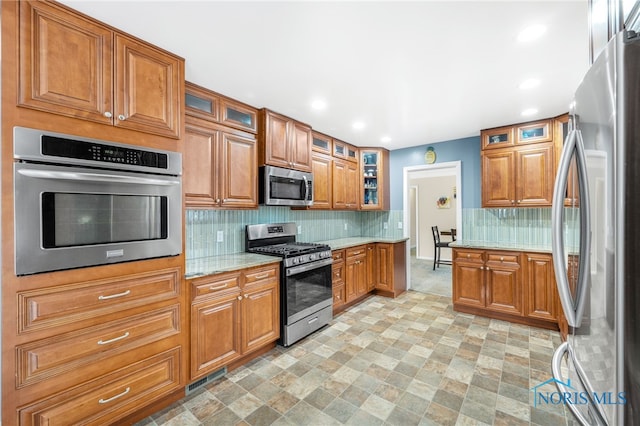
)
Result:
{"points": [[111, 397], [337, 281], [363, 270], [103, 348], [509, 285], [390, 262], [233, 314]]}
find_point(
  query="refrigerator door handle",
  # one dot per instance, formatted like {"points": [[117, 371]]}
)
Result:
{"points": [[584, 270], [573, 312], [595, 413], [557, 216]]}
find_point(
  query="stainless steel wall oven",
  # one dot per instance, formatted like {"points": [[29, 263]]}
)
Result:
{"points": [[82, 202]]}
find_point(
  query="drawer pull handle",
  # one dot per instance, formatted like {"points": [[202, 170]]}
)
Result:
{"points": [[502, 259], [104, 401], [356, 252], [114, 296], [115, 339], [219, 287], [468, 256], [261, 276], [311, 321]]}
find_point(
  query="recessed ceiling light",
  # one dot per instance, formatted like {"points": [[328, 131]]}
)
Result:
{"points": [[358, 125], [531, 33], [318, 104], [529, 111], [529, 84], [385, 139]]}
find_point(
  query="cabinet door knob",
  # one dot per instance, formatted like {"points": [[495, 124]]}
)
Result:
{"points": [[121, 117], [482, 268], [108, 114], [501, 259], [246, 295], [519, 201], [529, 259], [487, 268], [239, 297], [468, 256], [513, 201]]}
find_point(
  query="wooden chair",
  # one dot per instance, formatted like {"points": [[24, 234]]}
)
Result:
{"points": [[437, 246]]}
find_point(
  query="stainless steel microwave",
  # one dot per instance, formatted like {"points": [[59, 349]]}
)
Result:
{"points": [[285, 187], [82, 202]]}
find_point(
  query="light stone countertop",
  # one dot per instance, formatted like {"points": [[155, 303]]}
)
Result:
{"points": [[491, 245], [212, 265], [341, 243]]}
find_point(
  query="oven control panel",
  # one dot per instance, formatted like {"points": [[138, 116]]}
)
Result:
{"points": [[307, 258], [70, 148]]}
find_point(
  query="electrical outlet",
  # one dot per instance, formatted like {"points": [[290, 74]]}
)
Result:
{"points": [[345, 226], [220, 236], [299, 229], [385, 225], [399, 225]]}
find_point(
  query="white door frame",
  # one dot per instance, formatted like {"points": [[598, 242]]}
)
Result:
{"points": [[429, 170], [416, 234]]}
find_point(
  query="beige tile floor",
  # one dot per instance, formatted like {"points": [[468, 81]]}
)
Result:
{"points": [[405, 361]]}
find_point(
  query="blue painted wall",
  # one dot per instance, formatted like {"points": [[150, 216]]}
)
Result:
{"points": [[466, 150]]}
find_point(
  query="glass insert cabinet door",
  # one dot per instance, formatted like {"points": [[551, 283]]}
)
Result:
{"points": [[371, 167]]}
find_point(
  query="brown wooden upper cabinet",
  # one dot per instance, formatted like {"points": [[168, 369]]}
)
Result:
{"points": [[214, 107], [283, 142], [374, 185], [518, 165], [220, 162], [75, 66]]}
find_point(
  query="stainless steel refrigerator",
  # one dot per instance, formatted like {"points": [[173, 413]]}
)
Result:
{"points": [[596, 241]]}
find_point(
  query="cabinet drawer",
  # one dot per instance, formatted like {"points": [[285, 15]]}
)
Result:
{"points": [[110, 397], [468, 256], [356, 251], [337, 271], [261, 275], [211, 286], [509, 259], [48, 358], [78, 303], [338, 255]]}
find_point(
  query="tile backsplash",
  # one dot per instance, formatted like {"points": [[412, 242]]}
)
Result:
{"points": [[528, 226], [204, 226]]}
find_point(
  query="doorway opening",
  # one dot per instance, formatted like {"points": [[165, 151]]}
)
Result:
{"points": [[432, 196]]}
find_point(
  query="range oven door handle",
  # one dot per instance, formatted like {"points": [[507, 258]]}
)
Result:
{"points": [[95, 177], [309, 266]]}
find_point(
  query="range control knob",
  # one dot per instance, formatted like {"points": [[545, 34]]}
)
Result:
{"points": [[295, 260], [312, 257]]}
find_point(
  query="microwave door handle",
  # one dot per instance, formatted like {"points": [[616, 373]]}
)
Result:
{"points": [[306, 188], [96, 177]]}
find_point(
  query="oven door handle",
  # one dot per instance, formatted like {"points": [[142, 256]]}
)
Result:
{"points": [[309, 266], [96, 177]]}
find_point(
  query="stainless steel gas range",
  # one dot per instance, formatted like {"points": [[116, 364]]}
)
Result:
{"points": [[306, 301]]}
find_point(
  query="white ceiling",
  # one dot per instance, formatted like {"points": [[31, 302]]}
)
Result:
{"points": [[418, 72]]}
